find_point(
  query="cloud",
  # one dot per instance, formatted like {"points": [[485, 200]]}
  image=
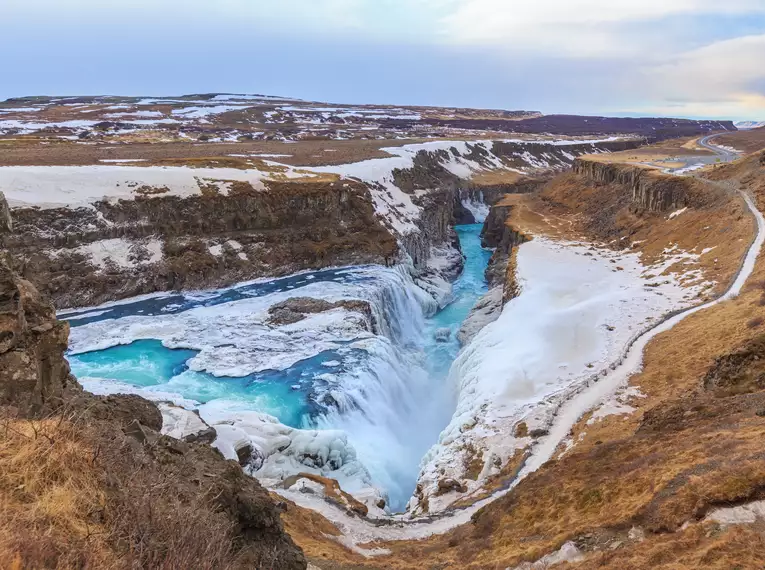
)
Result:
{"points": [[671, 57], [723, 78], [576, 28]]}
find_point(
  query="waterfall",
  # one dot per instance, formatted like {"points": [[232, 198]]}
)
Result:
{"points": [[372, 402], [475, 204]]}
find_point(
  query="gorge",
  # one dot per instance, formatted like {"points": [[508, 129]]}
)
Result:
{"points": [[397, 348]]}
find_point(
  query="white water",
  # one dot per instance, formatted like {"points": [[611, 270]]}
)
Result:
{"points": [[359, 407]]}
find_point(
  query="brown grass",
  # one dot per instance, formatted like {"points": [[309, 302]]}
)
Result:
{"points": [[570, 207], [50, 499], [663, 154], [746, 141], [72, 497], [495, 177]]}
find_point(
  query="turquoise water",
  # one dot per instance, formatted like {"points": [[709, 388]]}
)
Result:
{"points": [[293, 395], [290, 395], [468, 288], [392, 402]]}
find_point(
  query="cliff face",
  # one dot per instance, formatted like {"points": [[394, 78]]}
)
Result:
{"points": [[119, 249], [505, 239], [435, 223], [33, 371], [138, 499], [651, 190], [491, 193], [500, 273], [5, 216]]}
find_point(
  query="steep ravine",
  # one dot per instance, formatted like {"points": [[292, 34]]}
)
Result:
{"points": [[119, 249]]}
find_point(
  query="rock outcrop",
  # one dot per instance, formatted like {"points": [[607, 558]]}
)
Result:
{"points": [[295, 309], [651, 191], [504, 239], [500, 273], [33, 371], [120, 249], [160, 502], [6, 225]]}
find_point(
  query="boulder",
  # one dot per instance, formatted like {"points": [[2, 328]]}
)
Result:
{"points": [[443, 335], [448, 485], [6, 225]]}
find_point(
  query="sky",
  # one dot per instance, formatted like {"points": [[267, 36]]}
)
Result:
{"points": [[682, 58]]}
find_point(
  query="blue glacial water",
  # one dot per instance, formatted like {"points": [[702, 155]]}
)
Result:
{"points": [[391, 399]]}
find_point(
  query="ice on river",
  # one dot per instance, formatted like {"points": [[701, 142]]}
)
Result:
{"points": [[348, 390], [578, 309]]}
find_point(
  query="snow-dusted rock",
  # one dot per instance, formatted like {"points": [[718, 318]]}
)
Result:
{"points": [[184, 424]]}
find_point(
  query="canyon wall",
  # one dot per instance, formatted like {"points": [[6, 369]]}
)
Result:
{"points": [[504, 239], [163, 238], [141, 499], [651, 190], [118, 249]]}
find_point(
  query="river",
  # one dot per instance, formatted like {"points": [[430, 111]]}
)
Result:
{"points": [[214, 352]]}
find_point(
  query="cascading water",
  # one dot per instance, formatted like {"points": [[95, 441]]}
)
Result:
{"points": [[477, 206], [215, 351]]}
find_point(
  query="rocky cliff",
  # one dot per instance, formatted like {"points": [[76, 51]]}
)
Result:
{"points": [[651, 191], [504, 239], [33, 371], [126, 497], [118, 249], [499, 235]]}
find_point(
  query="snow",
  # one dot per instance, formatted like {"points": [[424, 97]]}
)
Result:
{"points": [[179, 423], [479, 209], [741, 514], [134, 114], [30, 127], [281, 451], [599, 389], [567, 553], [117, 250], [78, 186], [687, 169], [21, 110], [232, 338], [747, 125], [630, 361], [201, 112], [396, 207], [616, 404], [487, 310], [373, 393], [572, 319], [101, 387], [676, 213]]}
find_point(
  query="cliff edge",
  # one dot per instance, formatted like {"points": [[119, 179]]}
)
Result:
{"points": [[89, 482]]}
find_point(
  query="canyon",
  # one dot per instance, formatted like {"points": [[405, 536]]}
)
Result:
{"points": [[387, 359]]}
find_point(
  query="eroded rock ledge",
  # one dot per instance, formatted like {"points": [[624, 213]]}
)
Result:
{"points": [[138, 499], [120, 249], [651, 191], [500, 274]]}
